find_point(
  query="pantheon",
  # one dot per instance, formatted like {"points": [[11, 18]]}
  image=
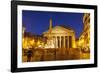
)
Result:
{"points": [[59, 37]]}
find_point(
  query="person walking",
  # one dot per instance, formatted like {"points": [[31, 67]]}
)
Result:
{"points": [[29, 55]]}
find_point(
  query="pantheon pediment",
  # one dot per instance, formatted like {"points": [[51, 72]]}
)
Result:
{"points": [[60, 29]]}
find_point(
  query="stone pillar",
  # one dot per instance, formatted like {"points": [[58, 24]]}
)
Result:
{"points": [[64, 41], [53, 41], [60, 41], [68, 41], [73, 42], [56, 42]]}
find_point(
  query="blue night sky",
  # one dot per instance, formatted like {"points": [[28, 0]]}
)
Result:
{"points": [[37, 22]]}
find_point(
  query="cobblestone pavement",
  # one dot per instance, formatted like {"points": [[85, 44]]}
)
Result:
{"points": [[58, 54]]}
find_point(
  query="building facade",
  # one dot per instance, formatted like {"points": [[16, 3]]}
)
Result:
{"points": [[84, 39], [59, 37], [32, 41]]}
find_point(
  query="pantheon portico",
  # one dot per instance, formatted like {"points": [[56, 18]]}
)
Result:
{"points": [[59, 37]]}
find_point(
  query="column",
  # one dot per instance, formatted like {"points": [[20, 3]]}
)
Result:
{"points": [[68, 41], [66, 45], [53, 41], [64, 41], [56, 42], [60, 41], [73, 42]]}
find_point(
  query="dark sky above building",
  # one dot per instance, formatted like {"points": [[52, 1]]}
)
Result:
{"points": [[37, 22]]}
